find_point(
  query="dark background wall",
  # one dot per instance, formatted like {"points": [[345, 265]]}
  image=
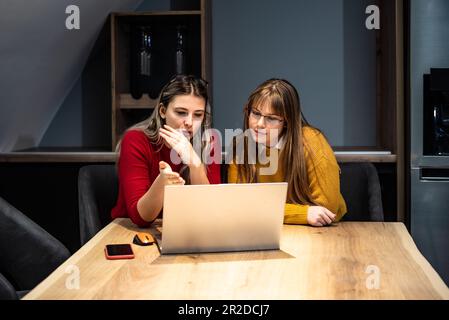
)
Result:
{"points": [[321, 46]]}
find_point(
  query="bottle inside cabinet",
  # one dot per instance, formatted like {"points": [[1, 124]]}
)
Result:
{"points": [[141, 61], [180, 60], [160, 50], [148, 50]]}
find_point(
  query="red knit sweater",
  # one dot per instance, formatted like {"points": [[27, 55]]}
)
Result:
{"points": [[138, 167]]}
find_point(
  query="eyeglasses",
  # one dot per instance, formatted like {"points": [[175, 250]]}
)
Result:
{"points": [[269, 120]]}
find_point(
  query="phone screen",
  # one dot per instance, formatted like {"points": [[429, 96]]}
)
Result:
{"points": [[119, 250]]}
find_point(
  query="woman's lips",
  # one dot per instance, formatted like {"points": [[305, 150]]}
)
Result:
{"points": [[260, 133], [186, 133]]}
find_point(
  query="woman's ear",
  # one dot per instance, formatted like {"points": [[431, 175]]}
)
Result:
{"points": [[162, 111]]}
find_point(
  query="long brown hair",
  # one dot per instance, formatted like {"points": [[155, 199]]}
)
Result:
{"points": [[285, 102], [178, 85]]}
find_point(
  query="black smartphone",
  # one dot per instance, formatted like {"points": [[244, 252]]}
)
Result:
{"points": [[119, 251]]}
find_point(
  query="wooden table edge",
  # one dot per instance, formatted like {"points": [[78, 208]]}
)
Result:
{"points": [[408, 243]]}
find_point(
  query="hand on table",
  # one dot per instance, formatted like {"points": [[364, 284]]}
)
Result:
{"points": [[320, 216]]}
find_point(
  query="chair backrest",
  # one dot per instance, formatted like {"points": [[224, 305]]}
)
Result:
{"points": [[224, 172], [28, 254], [7, 291], [360, 187], [97, 190]]}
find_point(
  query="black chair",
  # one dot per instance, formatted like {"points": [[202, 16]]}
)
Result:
{"points": [[7, 291], [97, 190], [360, 187], [224, 172], [28, 254]]}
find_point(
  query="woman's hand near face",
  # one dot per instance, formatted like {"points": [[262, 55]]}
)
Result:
{"points": [[181, 144], [167, 176], [319, 216]]}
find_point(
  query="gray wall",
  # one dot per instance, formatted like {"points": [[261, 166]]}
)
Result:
{"points": [[40, 61], [65, 128], [359, 103], [321, 46], [84, 117], [85, 114]]}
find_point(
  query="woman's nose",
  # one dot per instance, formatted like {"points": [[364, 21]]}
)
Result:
{"points": [[188, 121], [261, 122]]}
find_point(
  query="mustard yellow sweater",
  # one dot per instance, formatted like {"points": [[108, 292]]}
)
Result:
{"points": [[323, 174]]}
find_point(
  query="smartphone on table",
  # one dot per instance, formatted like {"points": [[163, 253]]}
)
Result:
{"points": [[118, 251]]}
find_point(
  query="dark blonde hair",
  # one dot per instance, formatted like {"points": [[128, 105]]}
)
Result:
{"points": [[284, 100]]}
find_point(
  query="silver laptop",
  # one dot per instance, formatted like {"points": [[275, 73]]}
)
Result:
{"points": [[225, 217]]}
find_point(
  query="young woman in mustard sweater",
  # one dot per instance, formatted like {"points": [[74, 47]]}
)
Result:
{"points": [[274, 123]]}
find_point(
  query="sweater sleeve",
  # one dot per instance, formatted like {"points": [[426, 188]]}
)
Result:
{"points": [[323, 174], [324, 182], [134, 173], [295, 213]]}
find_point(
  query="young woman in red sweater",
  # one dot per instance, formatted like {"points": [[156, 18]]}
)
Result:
{"points": [[159, 151]]}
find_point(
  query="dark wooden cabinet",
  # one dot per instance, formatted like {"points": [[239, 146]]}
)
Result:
{"points": [[126, 27]]}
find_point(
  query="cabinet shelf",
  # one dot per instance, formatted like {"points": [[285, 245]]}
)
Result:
{"points": [[158, 13], [126, 101]]}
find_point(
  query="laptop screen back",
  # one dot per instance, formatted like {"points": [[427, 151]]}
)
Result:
{"points": [[227, 217]]}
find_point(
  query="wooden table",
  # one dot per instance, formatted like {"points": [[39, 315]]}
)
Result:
{"points": [[346, 261]]}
